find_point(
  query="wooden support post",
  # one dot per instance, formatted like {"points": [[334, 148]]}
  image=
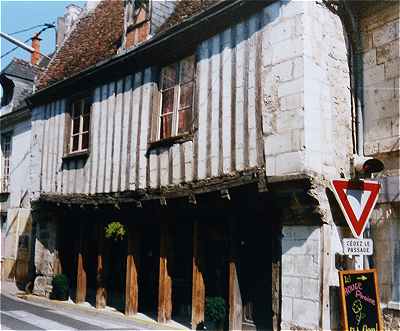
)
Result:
{"points": [[235, 299], [198, 285], [101, 291], [165, 281], [81, 273], [132, 263]]}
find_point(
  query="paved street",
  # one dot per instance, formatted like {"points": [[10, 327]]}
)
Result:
{"points": [[20, 314]]}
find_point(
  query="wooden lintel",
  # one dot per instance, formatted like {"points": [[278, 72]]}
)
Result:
{"points": [[165, 280], [101, 291], [198, 284], [81, 272], [132, 262]]}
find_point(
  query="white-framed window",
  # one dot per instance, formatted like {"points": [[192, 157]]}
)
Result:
{"points": [[177, 95], [80, 126], [5, 161]]}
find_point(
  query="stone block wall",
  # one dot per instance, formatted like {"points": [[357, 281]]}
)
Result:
{"points": [[381, 71], [301, 277], [307, 100]]}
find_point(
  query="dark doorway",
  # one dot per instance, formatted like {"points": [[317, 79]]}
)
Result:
{"points": [[116, 278], [182, 272], [255, 274], [149, 264]]}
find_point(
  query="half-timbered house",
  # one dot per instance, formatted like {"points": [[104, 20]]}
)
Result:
{"points": [[209, 130]]}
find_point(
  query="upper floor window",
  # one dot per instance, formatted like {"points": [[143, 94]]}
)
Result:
{"points": [[177, 86], [136, 11], [5, 161], [80, 125]]}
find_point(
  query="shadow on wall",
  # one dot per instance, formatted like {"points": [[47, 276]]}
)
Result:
{"points": [[24, 254]]}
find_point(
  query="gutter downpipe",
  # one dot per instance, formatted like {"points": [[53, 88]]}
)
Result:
{"points": [[358, 80]]}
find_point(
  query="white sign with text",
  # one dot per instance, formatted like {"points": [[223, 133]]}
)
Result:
{"points": [[353, 246]]}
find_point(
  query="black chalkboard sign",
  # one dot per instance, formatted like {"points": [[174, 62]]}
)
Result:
{"points": [[360, 300]]}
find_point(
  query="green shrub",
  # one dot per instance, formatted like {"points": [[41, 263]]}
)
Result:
{"points": [[115, 230], [215, 309], [60, 287]]}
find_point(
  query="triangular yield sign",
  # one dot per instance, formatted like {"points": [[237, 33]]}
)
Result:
{"points": [[357, 199]]}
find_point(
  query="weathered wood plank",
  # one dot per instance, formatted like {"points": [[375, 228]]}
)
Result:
{"points": [[214, 103], [94, 139], [126, 118], [109, 137], [164, 166], [188, 161], [136, 103], [198, 283], [101, 290], [252, 116], [117, 130], [101, 163], [240, 95], [165, 280], [144, 128], [60, 147], [45, 151], [132, 263], [176, 165], [233, 98], [202, 113], [226, 101], [81, 282], [235, 300]]}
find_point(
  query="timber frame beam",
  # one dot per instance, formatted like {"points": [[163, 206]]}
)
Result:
{"points": [[189, 190]]}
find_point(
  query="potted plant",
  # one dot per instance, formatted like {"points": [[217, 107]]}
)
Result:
{"points": [[215, 312], [60, 289], [115, 230]]}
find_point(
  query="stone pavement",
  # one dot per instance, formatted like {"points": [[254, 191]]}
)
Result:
{"points": [[20, 310]]}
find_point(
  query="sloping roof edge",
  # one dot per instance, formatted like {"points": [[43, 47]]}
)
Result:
{"points": [[216, 17]]}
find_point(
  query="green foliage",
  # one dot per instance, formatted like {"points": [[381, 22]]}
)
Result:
{"points": [[115, 230], [60, 287], [215, 309]]}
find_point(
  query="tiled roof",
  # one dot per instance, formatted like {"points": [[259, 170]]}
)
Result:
{"points": [[185, 9], [21, 69], [96, 37]]}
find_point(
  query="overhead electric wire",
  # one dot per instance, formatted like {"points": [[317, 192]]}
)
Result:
{"points": [[12, 50], [27, 29], [46, 26]]}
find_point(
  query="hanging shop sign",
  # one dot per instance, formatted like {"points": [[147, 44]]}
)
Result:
{"points": [[360, 305], [357, 199], [353, 246]]}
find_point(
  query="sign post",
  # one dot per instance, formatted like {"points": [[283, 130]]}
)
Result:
{"points": [[357, 199]]}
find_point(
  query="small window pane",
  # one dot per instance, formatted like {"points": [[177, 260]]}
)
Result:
{"points": [[75, 143], [86, 123], [186, 96], [85, 140], [166, 126], [184, 120], [167, 101], [169, 76], [187, 69], [75, 125]]}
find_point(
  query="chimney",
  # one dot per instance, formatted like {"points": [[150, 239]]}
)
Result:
{"points": [[35, 57], [66, 22]]}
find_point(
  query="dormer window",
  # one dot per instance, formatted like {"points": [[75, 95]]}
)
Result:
{"points": [[137, 22], [137, 11]]}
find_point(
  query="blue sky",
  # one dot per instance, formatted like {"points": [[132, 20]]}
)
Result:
{"points": [[18, 15]]}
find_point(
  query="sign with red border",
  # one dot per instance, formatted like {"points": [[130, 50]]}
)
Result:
{"points": [[357, 199]]}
